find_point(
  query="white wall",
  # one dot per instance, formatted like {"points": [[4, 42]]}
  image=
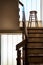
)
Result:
{"points": [[8, 48], [41, 10]]}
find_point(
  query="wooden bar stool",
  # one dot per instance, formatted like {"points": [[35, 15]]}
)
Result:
{"points": [[33, 19]]}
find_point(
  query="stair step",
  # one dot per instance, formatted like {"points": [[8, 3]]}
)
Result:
{"points": [[35, 55], [34, 51], [36, 40], [35, 45], [35, 63], [33, 30], [35, 35], [35, 59]]}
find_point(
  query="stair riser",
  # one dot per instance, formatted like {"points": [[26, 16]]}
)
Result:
{"points": [[35, 35], [34, 51], [35, 31], [40, 40], [35, 45], [35, 59]]}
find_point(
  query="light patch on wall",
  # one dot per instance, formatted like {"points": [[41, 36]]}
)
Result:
{"points": [[8, 48]]}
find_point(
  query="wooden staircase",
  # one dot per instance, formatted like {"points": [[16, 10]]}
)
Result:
{"points": [[32, 50], [35, 45]]}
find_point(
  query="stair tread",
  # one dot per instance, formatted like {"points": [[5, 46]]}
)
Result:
{"points": [[35, 55], [35, 59], [34, 47]]}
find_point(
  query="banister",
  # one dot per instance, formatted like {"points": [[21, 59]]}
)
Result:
{"points": [[21, 3], [21, 44], [24, 21]]}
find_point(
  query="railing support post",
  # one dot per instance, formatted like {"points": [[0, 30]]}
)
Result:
{"points": [[18, 57]]}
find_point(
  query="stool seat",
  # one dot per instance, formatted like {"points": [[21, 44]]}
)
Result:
{"points": [[33, 12]]}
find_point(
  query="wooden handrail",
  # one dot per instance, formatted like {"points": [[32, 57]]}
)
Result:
{"points": [[24, 21], [21, 3], [21, 44]]}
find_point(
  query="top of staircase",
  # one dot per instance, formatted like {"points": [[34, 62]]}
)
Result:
{"points": [[33, 28]]}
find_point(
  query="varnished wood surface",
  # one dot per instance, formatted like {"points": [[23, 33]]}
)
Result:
{"points": [[34, 47], [35, 59], [21, 44]]}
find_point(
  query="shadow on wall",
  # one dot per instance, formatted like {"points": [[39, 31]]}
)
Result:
{"points": [[9, 17]]}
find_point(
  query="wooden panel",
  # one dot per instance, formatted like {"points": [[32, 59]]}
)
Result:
{"points": [[35, 35], [35, 31], [35, 28], [35, 51], [35, 45], [35, 63], [9, 17], [35, 39], [35, 55], [35, 59]]}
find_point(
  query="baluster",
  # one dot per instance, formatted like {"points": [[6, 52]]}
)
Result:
{"points": [[18, 57]]}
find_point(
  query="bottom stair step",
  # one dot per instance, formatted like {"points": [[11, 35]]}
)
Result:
{"points": [[35, 59], [35, 64]]}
